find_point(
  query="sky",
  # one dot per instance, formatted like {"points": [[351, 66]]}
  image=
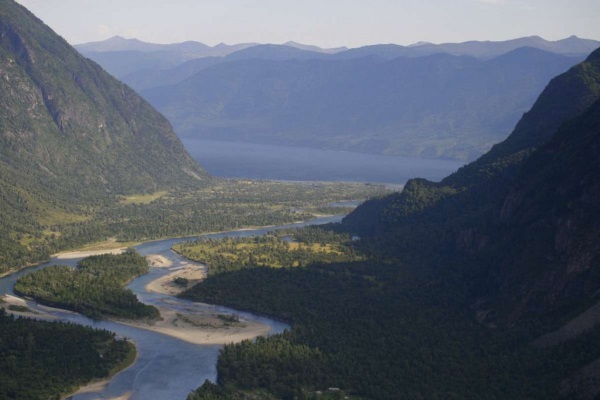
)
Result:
{"points": [[326, 23]]}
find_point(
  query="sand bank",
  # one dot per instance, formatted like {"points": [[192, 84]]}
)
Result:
{"points": [[194, 273], [97, 387], [9, 300], [203, 327], [158, 261], [81, 254]]}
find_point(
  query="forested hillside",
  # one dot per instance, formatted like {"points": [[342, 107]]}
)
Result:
{"points": [[481, 286], [433, 106], [471, 215]]}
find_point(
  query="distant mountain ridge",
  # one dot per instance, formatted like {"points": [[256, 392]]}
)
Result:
{"points": [[356, 99], [315, 48], [572, 46], [189, 48], [121, 56], [437, 106]]}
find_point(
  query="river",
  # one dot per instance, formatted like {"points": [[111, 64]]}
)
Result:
{"points": [[166, 367]]}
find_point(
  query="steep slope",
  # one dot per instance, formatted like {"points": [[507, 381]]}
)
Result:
{"points": [[435, 106], [521, 221], [545, 236], [69, 117], [70, 134]]}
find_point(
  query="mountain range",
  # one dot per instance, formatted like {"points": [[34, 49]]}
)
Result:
{"points": [[452, 100], [121, 56], [437, 106]]}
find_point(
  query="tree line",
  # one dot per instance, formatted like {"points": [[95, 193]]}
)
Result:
{"points": [[95, 288], [46, 360]]}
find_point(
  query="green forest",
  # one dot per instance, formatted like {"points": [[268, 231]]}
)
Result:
{"points": [[46, 360], [220, 205], [284, 248], [96, 288], [375, 329]]}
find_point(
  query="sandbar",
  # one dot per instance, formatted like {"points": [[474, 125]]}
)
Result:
{"points": [[158, 261], [82, 254], [203, 326], [97, 387], [10, 300], [194, 273]]}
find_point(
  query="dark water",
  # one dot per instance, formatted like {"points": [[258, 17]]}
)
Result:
{"points": [[260, 161], [166, 368]]}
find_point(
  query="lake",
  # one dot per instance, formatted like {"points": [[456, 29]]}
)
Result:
{"points": [[262, 161]]}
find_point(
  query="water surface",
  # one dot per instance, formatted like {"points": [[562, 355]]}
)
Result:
{"points": [[262, 161]]}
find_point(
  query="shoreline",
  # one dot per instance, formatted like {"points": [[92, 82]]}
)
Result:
{"points": [[99, 384]]}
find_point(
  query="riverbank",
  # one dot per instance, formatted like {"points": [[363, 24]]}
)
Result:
{"points": [[99, 385]]}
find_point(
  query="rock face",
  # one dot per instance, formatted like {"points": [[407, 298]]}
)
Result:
{"points": [[520, 223]]}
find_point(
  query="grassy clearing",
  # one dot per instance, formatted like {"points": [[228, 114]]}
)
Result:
{"points": [[143, 198], [273, 251], [57, 217]]}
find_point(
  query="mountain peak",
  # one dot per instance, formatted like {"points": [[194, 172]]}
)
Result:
{"points": [[115, 142], [117, 39], [419, 44]]}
